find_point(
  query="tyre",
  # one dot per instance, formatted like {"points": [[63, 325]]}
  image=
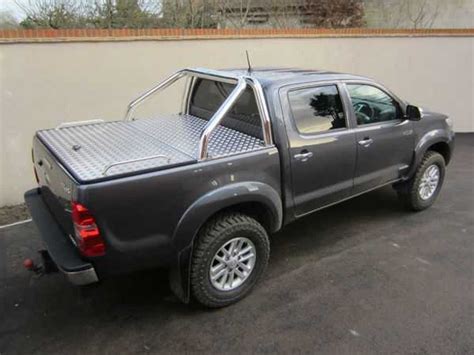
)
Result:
{"points": [[421, 191], [230, 255]]}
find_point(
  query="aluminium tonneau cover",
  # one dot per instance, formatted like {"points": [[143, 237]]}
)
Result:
{"points": [[98, 151]]}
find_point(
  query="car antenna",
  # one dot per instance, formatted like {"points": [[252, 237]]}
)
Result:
{"points": [[249, 70]]}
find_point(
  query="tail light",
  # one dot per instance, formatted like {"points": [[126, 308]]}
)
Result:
{"points": [[88, 238]]}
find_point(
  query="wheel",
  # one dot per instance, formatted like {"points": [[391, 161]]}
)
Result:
{"points": [[421, 191], [230, 255]]}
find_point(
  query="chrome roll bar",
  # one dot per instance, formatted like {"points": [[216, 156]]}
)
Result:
{"points": [[218, 116], [262, 109], [240, 80], [163, 85]]}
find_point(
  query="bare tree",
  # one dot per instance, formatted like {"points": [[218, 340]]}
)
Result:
{"points": [[91, 13], [52, 13], [292, 13], [198, 13], [234, 13], [123, 13], [189, 13], [285, 13], [403, 13], [335, 13], [421, 13]]}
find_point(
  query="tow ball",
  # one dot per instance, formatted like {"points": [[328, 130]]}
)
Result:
{"points": [[46, 266]]}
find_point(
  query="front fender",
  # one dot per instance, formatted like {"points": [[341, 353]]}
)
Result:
{"points": [[427, 140], [204, 208]]}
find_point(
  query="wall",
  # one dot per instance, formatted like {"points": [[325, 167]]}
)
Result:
{"points": [[44, 84]]}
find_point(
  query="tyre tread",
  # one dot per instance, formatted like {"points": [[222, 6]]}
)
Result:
{"points": [[409, 196], [206, 237]]}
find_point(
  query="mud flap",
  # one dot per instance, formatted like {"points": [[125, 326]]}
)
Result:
{"points": [[179, 275]]}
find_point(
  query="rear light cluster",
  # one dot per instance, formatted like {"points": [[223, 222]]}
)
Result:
{"points": [[88, 238]]}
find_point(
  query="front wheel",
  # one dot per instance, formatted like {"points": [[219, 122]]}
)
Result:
{"points": [[421, 191], [230, 255]]}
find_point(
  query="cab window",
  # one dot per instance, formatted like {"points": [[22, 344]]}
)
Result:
{"points": [[317, 109], [372, 105]]}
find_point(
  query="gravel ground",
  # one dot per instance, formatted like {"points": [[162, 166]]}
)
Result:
{"points": [[12, 214], [362, 277]]}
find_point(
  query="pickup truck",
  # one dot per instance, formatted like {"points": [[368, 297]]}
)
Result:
{"points": [[200, 191]]}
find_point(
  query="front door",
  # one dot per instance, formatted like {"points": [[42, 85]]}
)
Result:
{"points": [[385, 140], [321, 145]]}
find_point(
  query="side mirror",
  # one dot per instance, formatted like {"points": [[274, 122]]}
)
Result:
{"points": [[413, 113]]}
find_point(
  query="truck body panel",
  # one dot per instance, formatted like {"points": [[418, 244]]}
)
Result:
{"points": [[143, 237]]}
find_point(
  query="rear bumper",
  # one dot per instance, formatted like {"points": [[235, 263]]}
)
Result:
{"points": [[61, 249]]}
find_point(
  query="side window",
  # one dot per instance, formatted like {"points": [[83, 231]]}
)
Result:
{"points": [[317, 109], [372, 105]]}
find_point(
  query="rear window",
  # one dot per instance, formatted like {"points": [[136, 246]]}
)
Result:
{"points": [[208, 96]]}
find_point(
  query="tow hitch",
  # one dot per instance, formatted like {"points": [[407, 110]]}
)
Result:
{"points": [[45, 266]]}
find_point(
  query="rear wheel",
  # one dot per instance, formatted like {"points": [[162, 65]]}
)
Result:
{"points": [[230, 255], [421, 191]]}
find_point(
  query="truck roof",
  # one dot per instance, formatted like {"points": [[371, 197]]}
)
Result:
{"points": [[283, 76]]}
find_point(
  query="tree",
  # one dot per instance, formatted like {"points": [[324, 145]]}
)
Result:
{"points": [[291, 13], [189, 13], [91, 13], [52, 14], [334, 13], [235, 12], [194, 13], [285, 13], [421, 13], [123, 14], [403, 13]]}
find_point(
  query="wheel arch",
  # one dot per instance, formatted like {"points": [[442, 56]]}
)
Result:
{"points": [[438, 140], [258, 200], [442, 148]]}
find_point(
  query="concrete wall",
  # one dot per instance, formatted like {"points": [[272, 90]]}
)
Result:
{"points": [[44, 84]]}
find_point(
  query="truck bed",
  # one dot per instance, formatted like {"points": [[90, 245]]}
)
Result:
{"points": [[89, 151]]}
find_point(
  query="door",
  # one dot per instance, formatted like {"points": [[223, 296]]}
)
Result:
{"points": [[385, 139], [321, 146]]}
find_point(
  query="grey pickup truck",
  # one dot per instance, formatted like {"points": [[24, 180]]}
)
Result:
{"points": [[200, 191]]}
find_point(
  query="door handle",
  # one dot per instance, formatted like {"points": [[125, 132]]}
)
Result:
{"points": [[303, 156], [366, 142]]}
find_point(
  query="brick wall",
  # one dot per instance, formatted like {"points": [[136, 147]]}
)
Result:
{"points": [[80, 35]]}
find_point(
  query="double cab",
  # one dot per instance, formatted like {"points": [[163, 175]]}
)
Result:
{"points": [[199, 191]]}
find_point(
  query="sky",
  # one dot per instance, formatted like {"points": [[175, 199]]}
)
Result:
{"points": [[10, 6]]}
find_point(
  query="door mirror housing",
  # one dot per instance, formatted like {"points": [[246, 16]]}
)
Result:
{"points": [[413, 113]]}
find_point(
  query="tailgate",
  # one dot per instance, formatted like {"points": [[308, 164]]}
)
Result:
{"points": [[56, 185]]}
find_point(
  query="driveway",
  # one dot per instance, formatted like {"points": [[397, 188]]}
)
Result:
{"points": [[364, 276]]}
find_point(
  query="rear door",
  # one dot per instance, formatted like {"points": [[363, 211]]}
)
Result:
{"points": [[321, 145], [385, 139]]}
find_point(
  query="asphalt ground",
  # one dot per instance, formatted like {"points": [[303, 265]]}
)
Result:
{"points": [[365, 276]]}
